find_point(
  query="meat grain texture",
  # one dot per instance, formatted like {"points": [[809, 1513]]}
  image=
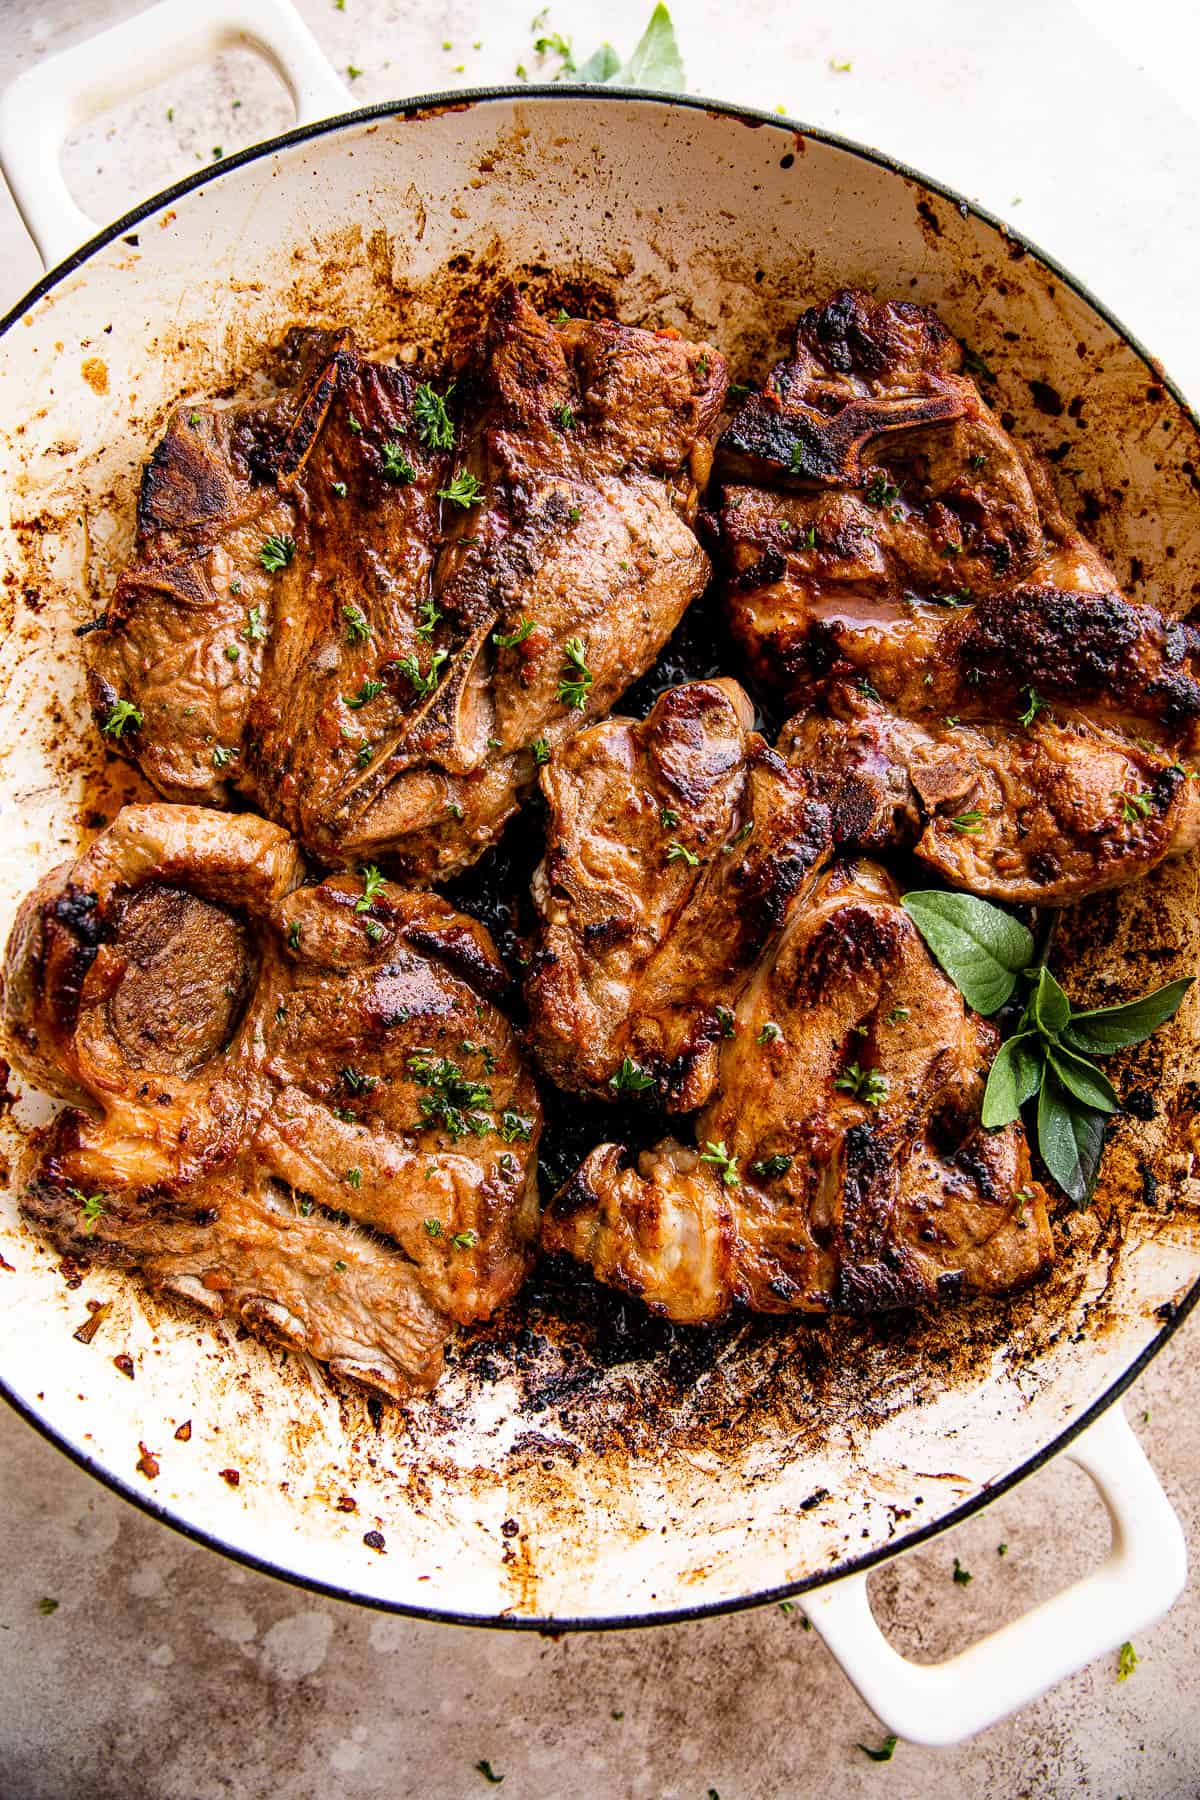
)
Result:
{"points": [[973, 686], [370, 606], [838, 1160], [295, 1105]]}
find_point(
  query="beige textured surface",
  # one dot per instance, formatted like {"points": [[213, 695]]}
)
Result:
{"points": [[166, 1671]]}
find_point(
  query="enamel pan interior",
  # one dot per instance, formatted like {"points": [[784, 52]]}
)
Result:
{"points": [[566, 1473]]}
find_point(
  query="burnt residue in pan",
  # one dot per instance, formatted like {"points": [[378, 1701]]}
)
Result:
{"points": [[592, 1371]]}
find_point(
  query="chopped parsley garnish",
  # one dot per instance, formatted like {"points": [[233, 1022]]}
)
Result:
{"points": [[562, 316], [422, 685], [358, 628], [354, 1177], [428, 615], [47, 1606], [374, 930], [576, 677], [668, 818], [630, 1078], [677, 852], [1133, 806], [254, 631], [340, 489], [739, 837], [879, 491], [541, 751], [564, 418], [293, 936], [1033, 705], [372, 888], [725, 1021], [91, 1208], [465, 490], [961, 1575], [725, 1165], [355, 1082], [393, 464], [514, 1129], [897, 1014], [434, 427], [969, 823], [466, 1240], [768, 1167], [770, 1033], [977, 459], [123, 713], [509, 640], [366, 693], [354, 425], [232, 653], [483, 1765], [885, 1750], [277, 552], [433, 1228], [340, 1266], [1127, 1661], [573, 514], [454, 1099], [867, 1085], [221, 755]]}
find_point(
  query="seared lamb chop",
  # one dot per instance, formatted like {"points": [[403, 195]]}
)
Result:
{"points": [[974, 685], [371, 606], [840, 1163], [296, 1105], [674, 847]]}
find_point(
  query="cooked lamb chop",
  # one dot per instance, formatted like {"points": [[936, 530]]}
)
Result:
{"points": [[974, 685], [371, 606], [299, 1106], [840, 1163], [675, 846]]}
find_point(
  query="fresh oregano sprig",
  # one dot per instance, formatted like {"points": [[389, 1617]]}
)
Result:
{"points": [[986, 952]]}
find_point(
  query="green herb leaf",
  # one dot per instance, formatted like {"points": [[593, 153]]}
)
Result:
{"points": [[1109, 1028], [1127, 1661], [277, 552], [366, 693], [394, 464], [358, 628], [483, 1765], [464, 490], [1014, 1078], [1070, 1138], [725, 1165], [434, 426], [1084, 1080], [600, 65], [576, 678], [124, 713], [508, 640], [981, 948], [885, 1750], [677, 852], [1047, 1004], [630, 1078], [656, 62], [372, 888]]}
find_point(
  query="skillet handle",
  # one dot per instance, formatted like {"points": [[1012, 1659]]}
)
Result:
{"points": [[1140, 1578], [44, 104]]}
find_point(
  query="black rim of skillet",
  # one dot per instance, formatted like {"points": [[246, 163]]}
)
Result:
{"points": [[1175, 1314]]}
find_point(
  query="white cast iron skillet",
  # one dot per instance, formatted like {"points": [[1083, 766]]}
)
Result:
{"points": [[543, 1490]]}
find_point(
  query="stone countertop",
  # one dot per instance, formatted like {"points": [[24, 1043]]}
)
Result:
{"points": [[167, 1673]]}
